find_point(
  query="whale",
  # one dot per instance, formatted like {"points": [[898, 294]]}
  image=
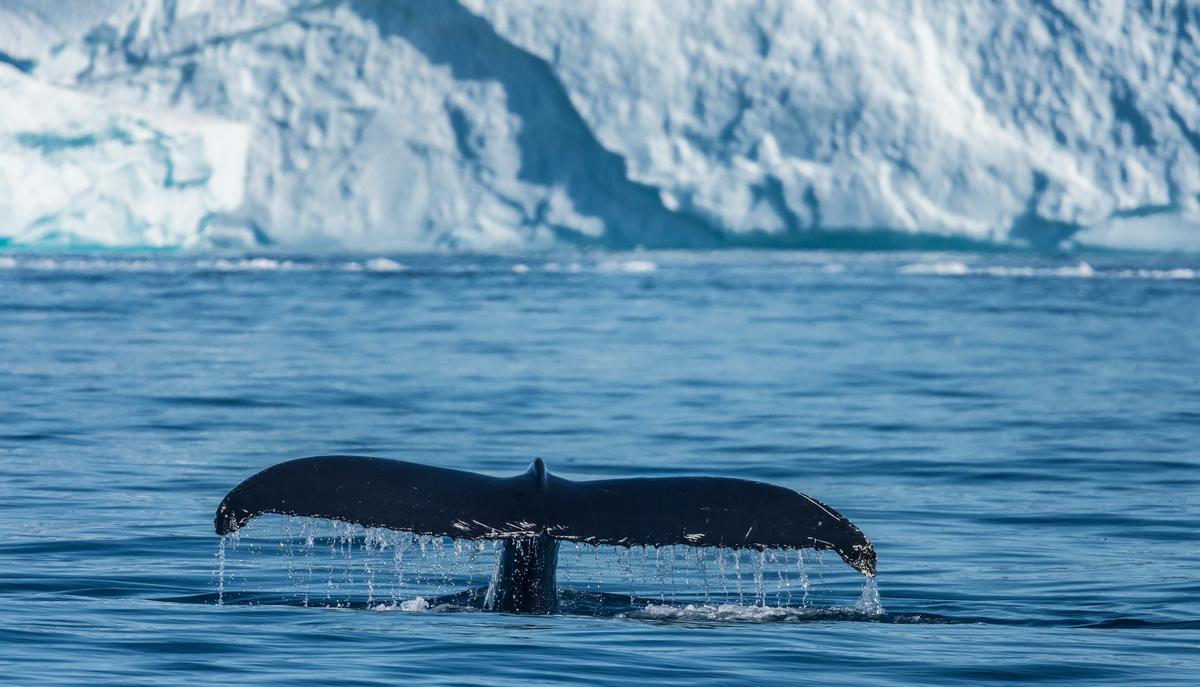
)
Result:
{"points": [[533, 512]]}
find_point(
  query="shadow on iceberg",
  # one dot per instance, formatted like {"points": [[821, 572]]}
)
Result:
{"points": [[557, 149]]}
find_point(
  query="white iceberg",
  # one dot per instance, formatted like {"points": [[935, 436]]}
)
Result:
{"points": [[384, 126]]}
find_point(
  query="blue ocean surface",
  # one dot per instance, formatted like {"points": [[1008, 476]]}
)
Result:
{"points": [[1016, 433]]}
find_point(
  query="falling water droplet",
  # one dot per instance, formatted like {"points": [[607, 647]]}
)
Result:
{"points": [[737, 570], [221, 572], [625, 560], [703, 574], [869, 601], [671, 570], [310, 545], [370, 540], [399, 544], [723, 573], [804, 586], [780, 580], [760, 590]]}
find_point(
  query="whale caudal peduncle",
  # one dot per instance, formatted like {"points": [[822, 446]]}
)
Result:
{"points": [[534, 511], [525, 579]]}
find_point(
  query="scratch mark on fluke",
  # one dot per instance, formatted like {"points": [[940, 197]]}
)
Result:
{"points": [[535, 510]]}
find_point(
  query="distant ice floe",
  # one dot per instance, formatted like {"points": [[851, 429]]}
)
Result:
{"points": [[514, 125], [90, 264], [247, 264], [178, 263], [950, 268], [943, 267], [632, 266], [1082, 269], [375, 265]]}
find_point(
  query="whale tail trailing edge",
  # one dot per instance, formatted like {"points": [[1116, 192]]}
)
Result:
{"points": [[652, 511]]}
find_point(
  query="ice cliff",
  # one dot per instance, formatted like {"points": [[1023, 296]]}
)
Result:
{"points": [[388, 125]]}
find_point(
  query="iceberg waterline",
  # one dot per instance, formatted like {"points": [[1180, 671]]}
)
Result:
{"points": [[395, 126]]}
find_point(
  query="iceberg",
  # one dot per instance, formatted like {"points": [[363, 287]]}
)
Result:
{"points": [[78, 171], [375, 125]]}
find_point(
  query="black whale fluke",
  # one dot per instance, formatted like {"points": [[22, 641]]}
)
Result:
{"points": [[534, 511]]}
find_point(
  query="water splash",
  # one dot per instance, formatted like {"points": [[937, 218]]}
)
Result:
{"points": [[760, 587], [701, 564], [804, 583], [737, 572], [357, 567], [221, 572], [719, 612], [869, 602], [415, 605]]}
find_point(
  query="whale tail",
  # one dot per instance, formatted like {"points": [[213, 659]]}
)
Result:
{"points": [[651, 511]]}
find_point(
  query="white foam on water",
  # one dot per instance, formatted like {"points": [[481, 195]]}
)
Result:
{"points": [[415, 605], [727, 612]]}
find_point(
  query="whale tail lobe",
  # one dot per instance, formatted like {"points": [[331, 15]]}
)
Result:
{"points": [[652, 511]]}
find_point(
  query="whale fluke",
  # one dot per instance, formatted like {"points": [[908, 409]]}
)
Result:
{"points": [[533, 511]]}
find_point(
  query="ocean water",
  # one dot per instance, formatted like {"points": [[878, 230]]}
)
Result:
{"points": [[1016, 433]]}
